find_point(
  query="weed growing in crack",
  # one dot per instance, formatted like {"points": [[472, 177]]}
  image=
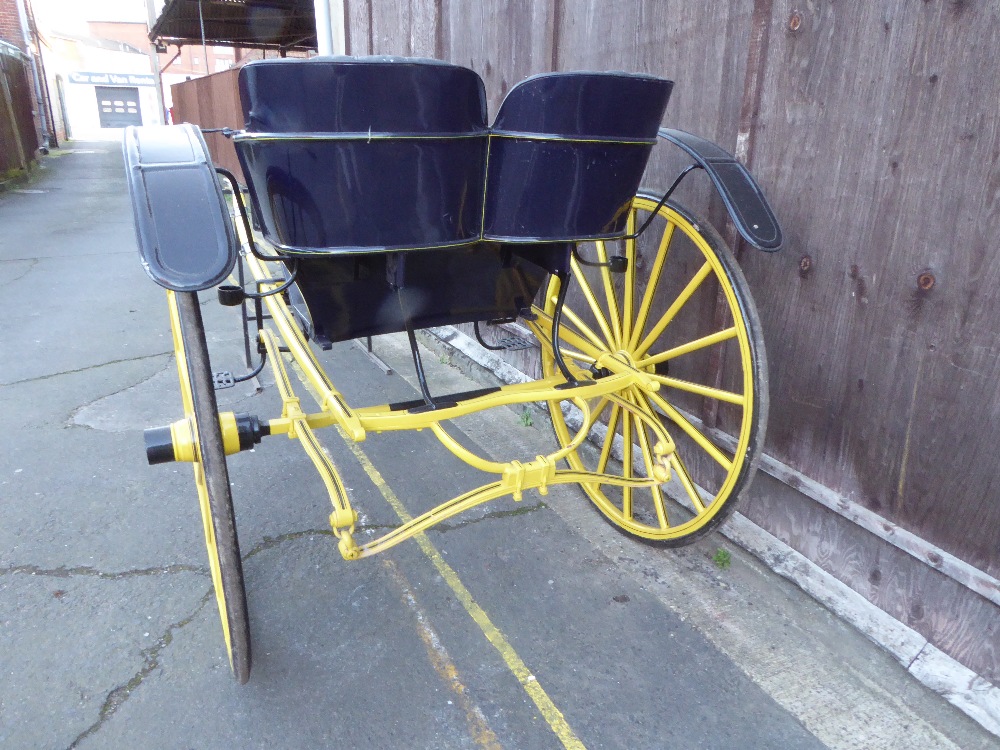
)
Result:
{"points": [[722, 558]]}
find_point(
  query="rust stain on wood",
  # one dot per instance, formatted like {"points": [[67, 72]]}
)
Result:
{"points": [[901, 485]]}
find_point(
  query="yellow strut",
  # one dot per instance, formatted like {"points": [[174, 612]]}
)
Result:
{"points": [[344, 517]]}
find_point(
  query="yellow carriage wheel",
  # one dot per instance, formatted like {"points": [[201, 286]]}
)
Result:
{"points": [[681, 312], [211, 477]]}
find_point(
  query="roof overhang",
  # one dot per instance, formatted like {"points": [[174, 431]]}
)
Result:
{"points": [[261, 24]]}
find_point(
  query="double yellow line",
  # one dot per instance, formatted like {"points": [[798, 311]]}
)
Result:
{"points": [[531, 686], [552, 715]]}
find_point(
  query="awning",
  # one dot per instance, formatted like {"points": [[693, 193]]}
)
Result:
{"points": [[262, 24]]}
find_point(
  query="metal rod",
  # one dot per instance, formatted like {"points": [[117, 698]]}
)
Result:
{"points": [[419, 365], [324, 29], [556, 322], [204, 47]]}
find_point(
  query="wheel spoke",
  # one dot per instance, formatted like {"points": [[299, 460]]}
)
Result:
{"points": [[628, 297], [609, 439], [596, 412], [587, 342], [675, 308], [657, 493], [701, 390], [692, 432], [588, 293], [654, 278], [609, 293], [692, 346], [687, 483], [576, 356], [627, 470], [599, 346]]}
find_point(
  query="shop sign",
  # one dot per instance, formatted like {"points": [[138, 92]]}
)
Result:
{"points": [[114, 79]]}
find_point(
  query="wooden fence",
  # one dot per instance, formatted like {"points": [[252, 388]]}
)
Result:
{"points": [[212, 102], [18, 138], [874, 130]]}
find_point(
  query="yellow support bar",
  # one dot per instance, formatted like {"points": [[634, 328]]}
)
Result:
{"points": [[532, 475], [296, 425], [381, 418]]}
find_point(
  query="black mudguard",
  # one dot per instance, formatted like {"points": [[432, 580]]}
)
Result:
{"points": [[182, 223], [743, 197]]}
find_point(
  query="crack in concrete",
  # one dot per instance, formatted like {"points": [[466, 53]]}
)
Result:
{"points": [[70, 421], [117, 697], [32, 262], [918, 654], [87, 369], [497, 514], [91, 572], [270, 542]]}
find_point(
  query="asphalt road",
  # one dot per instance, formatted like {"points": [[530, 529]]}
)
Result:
{"points": [[519, 625]]}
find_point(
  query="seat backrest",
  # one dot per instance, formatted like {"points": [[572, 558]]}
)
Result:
{"points": [[364, 154], [567, 152]]}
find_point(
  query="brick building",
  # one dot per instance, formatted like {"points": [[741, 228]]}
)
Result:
{"points": [[175, 65], [11, 28]]}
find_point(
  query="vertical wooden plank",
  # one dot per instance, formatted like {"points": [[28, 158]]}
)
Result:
{"points": [[7, 85], [504, 42], [703, 52], [391, 27], [424, 22], [360, 27]]}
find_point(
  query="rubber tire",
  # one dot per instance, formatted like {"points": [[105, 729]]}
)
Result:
{"points": [[229, 588]]}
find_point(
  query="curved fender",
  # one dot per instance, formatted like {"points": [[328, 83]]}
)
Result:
{"points": [[743, 197], [182, 223]]}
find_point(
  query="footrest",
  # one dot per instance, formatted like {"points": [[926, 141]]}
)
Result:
{"points": [[514, 343], [223, 380]]}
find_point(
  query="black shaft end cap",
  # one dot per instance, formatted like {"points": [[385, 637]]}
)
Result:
{"points": [[159, 445]]}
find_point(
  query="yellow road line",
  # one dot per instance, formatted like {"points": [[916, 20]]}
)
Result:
{"points": [[552, 715], [438, 655], [531, 686]]}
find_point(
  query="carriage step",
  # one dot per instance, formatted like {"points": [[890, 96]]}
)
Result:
{"points": [[514, 343], [223, 380], [441, 402]]}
